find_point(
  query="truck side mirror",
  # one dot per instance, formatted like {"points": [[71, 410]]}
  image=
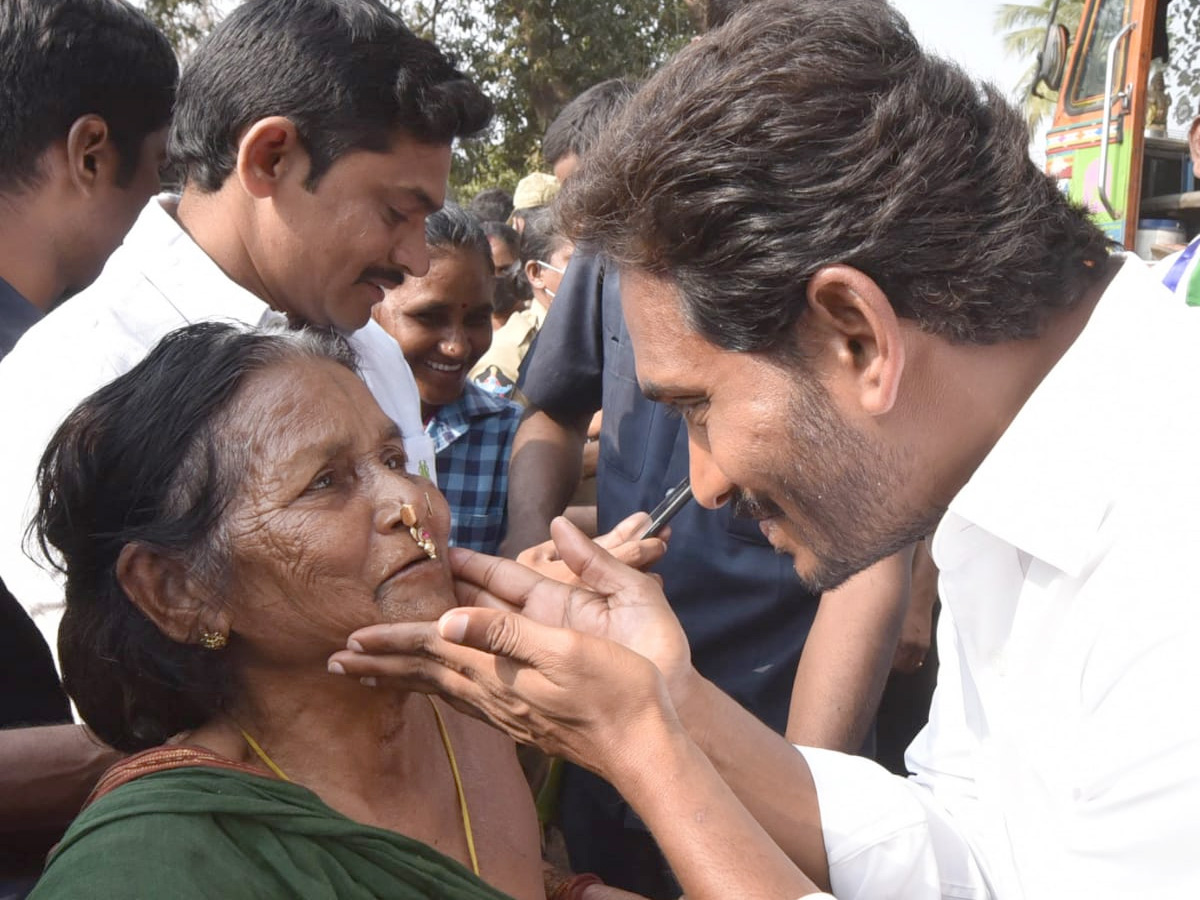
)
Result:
{"points": [[1052, 61]]}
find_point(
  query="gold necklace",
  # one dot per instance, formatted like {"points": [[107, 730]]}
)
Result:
{"points": [[458, 785]]}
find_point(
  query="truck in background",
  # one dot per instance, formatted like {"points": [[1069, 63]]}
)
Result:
{"points": [[1107, 147]]}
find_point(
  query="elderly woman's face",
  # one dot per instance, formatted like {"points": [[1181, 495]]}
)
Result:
{"points": [[320, 544]]}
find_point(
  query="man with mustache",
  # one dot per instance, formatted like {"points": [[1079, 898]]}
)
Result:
{"points": [[879, 319], [312, 138]]}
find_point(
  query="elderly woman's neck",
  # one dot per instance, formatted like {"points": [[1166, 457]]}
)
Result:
{"points": [[310, 727]]}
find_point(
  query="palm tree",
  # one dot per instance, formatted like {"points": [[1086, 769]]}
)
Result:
{"points": [[1024, 29]]}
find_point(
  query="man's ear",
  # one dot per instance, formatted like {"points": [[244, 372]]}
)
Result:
{"points": [[269, 150], [533, 271], [92, 158], [1194, 145], [857, 332], [168, 595]]}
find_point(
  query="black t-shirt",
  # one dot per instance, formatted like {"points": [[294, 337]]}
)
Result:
{"points": [[30, 692], [16, 316]]}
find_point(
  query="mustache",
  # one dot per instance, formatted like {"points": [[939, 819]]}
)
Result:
{"points": [[750, 506]]}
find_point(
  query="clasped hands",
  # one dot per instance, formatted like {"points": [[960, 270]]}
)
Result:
{"points": [[574, 668]]}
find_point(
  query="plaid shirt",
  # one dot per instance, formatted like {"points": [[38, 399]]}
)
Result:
{"points": [[472, 439]]}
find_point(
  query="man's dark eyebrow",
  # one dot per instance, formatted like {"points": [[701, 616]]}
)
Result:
{"points": [[428, 204], [653, 391]]}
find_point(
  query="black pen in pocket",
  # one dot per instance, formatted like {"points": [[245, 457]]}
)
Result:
{"points": [[677, 498]]}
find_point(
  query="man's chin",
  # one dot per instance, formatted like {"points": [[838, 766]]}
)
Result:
{"points": [[348, 323], [809, 568], [818, 581]]}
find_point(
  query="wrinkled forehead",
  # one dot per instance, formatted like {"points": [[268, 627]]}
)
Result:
{"points": [[293, 410]]}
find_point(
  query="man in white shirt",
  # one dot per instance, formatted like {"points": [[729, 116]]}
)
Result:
{"points": [[877, 318], [305, 189]]}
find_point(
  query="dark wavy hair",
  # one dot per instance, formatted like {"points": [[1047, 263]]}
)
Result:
{"points": [[579, 126], [64, 59], [803, 134], [491, 205], [142, 461], [347, 73]]}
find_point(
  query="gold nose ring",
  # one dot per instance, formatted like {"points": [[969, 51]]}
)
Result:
{"points": [[422, 537]]}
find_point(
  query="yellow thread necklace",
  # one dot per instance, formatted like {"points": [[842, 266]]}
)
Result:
{"points": [[458, 785]]}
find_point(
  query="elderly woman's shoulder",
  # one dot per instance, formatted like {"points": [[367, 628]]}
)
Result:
{"points": [[126, 845], [165, 825]]}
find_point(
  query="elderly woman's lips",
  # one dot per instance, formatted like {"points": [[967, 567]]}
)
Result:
{"points": [[401, 571]]}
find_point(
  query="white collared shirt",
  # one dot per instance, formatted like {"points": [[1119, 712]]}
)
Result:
{"points": [[1062, 755], [158, 280]]}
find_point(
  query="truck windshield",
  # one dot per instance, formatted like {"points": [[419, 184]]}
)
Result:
{"points": [[1088, 87]]}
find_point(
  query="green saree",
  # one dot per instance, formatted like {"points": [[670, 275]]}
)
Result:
{"points": [[186, 824]]}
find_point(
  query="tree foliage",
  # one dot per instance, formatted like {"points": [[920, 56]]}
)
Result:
{"points": [[183, 21], [533, 56]]}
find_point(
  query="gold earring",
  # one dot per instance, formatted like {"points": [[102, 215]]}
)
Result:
{"points": [[213, 640]]}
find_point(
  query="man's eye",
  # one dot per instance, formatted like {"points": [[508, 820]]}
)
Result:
{"points": [[395, 216], [694, 413]]}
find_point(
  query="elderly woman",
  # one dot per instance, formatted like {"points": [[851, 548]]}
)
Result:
{"points": [[225, 515]]}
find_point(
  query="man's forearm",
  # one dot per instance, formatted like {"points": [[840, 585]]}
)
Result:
{"points": [[847, 656], [712, 841], [847, 659], [542, 476], [46, 773], [766, 773]]}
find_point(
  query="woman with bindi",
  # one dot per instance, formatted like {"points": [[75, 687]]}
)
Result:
{"points": [[443, 323]]}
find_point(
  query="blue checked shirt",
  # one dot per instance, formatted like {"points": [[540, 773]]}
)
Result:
{"points": [[472, 439]]}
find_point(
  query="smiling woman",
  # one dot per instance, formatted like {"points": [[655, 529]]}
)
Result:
{"points": [[443, 323], [225, 515]]}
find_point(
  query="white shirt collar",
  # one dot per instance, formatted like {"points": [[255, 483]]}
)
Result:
{"points": [[1047, 484], [183, 273]]}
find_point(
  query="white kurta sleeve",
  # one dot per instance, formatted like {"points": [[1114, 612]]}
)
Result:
{"points": [[884, 836]]}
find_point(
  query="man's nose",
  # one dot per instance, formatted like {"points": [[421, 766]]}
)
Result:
{"points": [[410, 252], [709, 485]]}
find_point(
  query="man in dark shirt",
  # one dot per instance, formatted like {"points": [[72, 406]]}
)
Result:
{"points": [[16, 315], [88, 89]]}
